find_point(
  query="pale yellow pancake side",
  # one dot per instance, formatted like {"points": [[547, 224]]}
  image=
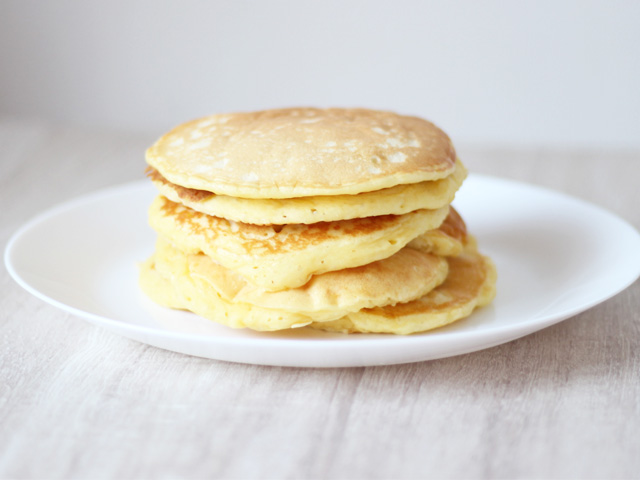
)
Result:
{"points": [[389, 201], [470, 284], [180, 291], [286, 257], [407, 275], [300, 152]]}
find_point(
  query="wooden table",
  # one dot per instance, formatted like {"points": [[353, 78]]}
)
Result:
{"points": [[79, 402]]}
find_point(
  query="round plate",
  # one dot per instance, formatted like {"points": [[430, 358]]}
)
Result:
{"points": [[556, 256]]}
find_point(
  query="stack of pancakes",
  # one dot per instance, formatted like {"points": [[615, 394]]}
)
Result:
{"points": [[335, 219]]}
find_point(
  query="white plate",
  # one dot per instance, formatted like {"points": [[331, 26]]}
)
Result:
{"points": [[556, 256]]}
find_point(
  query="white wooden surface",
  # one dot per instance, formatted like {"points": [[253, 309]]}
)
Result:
{"points": [[80, 402]]}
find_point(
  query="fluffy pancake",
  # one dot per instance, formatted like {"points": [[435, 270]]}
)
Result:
{"points": [[301, 152], [405, 276], [469, 284], [389, 201], [448, 240], [181, 291], [286, 257], [334, 218]]}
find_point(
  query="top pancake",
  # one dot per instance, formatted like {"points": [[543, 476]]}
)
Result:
{"points": [[301, 152]]}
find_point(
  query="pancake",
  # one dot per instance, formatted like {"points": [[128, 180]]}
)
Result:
{"points": [[302, 152], [287, 256], [389, 201], [469, 284], [336, 219], [449, 239], [407, 275], [180, 291]]}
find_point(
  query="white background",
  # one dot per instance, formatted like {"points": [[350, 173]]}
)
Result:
{"points": [[558, 73]]}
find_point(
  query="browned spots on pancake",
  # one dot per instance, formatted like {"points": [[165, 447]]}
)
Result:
{"points": [[273, 238], [184, 216], [184, 193], [454, 227]]}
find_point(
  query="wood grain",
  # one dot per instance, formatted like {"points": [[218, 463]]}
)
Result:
{"points": [[79, 402]]}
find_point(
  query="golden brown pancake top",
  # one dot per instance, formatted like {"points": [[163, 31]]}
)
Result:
{"points": [[299, 152]]}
